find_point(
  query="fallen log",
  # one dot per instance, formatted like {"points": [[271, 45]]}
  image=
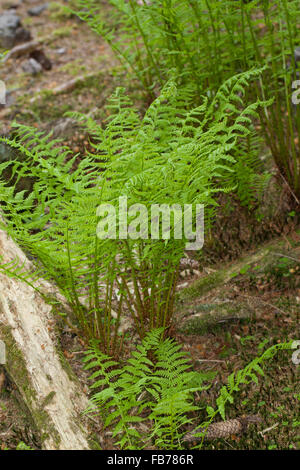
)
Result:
{"points": [[46, 384]]}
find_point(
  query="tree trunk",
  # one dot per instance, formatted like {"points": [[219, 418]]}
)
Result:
{"points": [[48, 387]]}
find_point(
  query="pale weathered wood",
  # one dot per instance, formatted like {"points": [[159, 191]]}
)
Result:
{"points": [[50, 391]]}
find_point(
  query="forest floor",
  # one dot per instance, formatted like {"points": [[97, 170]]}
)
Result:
{"points": [[223, 320], [82, 76], [232, 315], [226, 313]]}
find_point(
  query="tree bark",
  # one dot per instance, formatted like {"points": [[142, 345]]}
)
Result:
{"points": [[46, 383]]}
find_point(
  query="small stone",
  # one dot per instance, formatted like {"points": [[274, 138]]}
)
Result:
{"points": [[62, 50], [196, 272], [184, 273], [38, 10], [10, 98], [32, 67], [62, 128]]}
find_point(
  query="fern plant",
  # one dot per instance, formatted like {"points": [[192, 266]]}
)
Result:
{"points": [[175, 154], [145, 391], [150, 402], [208, 41]]}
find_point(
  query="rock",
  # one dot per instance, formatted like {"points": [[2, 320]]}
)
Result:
{"points": [[184, 273], [39, 56], [2, 93], [9, 23], [11, 30], [62, 128], [32, 67], [36, 11], [196, 272], [6, 153], [61, 50], [8, 100]]}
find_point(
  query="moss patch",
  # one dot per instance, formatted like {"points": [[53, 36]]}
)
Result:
{"points": [[17, 372]]}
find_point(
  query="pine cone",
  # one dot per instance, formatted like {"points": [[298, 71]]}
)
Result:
{"points": [[223, 429]]}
